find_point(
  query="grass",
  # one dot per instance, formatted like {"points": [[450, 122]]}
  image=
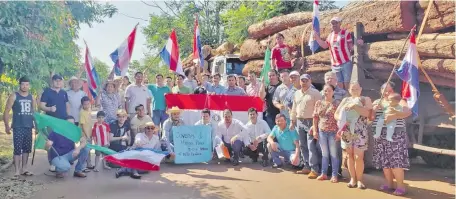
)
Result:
{"points": [[6, 145]]}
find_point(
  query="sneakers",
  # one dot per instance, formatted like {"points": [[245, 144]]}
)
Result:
{"points": [[312, 175], [276, 166], [52, 169]]}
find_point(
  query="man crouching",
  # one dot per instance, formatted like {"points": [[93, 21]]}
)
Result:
{"points": [[287, 144]]}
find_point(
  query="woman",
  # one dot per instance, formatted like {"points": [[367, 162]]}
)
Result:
{"points": [[392, 157], [109, 101], [352, 113], [325, 123]]}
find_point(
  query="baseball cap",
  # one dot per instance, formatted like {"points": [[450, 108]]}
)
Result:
{"points": [[305, 76], [56, 77], [338, 19], [294, 73]]}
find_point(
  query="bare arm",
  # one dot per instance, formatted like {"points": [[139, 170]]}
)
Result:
{"points": [[6, 114], [366, 109], [320, 42], [44, 108], [48, 145], [271, 139]]}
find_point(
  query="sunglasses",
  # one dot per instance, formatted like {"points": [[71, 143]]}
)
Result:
{"points": [[150, 128]]}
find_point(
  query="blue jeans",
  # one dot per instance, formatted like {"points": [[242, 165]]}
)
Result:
{"points": [[287, 156], [314, 153], [303, 126], [344, 72], [158, 117], [329, 149], [234, 149], [62, 163]]}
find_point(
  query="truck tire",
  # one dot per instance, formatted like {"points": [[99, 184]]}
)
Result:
{"points": [[445, 141]]}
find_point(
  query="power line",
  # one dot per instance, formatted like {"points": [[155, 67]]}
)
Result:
{"points": [[132, 17]]}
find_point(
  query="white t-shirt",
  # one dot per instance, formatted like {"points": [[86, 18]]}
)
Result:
{"points": [[137, 95], [74, 98]]}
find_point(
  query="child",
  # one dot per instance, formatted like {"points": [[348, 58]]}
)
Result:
{"points": [[101, 137], [85, 121], [391, 107]]}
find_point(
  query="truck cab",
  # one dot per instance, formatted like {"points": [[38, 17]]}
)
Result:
{"points": [[225, 65]]}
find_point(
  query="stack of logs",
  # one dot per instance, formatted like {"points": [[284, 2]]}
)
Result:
{"points": [[386, 25], [208, 52]]}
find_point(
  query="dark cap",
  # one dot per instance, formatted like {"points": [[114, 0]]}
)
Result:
{"points": [[56, 77]]}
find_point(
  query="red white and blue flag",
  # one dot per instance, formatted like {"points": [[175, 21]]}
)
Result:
{"points": [[409, 73], [122, 55], [141, 159], [92, 76], [192, 105], [197, 53], [170, 54], [313, 44]]}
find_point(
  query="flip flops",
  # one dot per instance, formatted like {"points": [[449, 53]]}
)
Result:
{"points": [[399, 192], [385, 188], [27, 173]]}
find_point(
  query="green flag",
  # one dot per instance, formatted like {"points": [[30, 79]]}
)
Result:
{"points": [[62, 127], [104, 150], [40, 141], [266, 66]]}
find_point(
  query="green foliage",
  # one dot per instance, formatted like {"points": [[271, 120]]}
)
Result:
{"points": [[151, 66], [102, 69], [37, 38]]}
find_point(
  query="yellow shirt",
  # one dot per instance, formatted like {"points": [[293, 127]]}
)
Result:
{"points": [[86, 123], [304, 103]]}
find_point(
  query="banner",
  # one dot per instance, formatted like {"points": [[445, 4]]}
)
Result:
{"points": [[192, 144]]}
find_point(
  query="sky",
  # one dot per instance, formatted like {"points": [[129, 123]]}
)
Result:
{"points": [[104, 38]]}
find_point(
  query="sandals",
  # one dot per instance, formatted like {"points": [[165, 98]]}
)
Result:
{"points": [[385, 188], [349, 185], [27, 173], [86, 170], [334, 179], [399, 192], [96, 170], [361, 186], [322, 177]]}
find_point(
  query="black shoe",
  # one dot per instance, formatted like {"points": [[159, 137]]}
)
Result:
{"points": [[118, 174], [235, 162], [265, 163], [135, 176], [227, 160], [254, 159], [276, 166]]}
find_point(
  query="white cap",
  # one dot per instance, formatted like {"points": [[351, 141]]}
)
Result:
{"points": [[294, 73], [338, 19]]}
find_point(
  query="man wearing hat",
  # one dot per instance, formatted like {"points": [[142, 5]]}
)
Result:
{"points": [[75, 95], [340, 43], [54, 100], [302, 117], [173, 120]]}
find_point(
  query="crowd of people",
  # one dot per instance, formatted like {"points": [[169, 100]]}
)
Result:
{"points": [[310, 129]]}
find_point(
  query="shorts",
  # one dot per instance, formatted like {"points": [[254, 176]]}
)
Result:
{"points": [[22, 140], [343, 72]]}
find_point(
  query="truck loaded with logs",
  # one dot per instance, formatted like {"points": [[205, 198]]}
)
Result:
{"points": [[384, 27]]}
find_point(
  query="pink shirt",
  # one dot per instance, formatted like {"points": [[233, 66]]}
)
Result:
{"points": [[253, 90]]}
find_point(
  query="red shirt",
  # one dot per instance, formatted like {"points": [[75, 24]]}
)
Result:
{"points": [[100, 134], [282, 56], [338, 46]]}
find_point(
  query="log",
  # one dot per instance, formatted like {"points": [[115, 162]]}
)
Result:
{"points": [[277, 24], [448, 152], [251, 49], [206, 51], [439, 81], [441, 15], [255, 65], [424, 37], [430, 65], [225, 48], [380, 66], [430, 48]]}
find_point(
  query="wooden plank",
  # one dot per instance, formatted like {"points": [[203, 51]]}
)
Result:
{"points": [[435, 150]]}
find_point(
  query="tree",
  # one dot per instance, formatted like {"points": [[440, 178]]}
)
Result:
{"points": [[151, 66], [103, 69]]}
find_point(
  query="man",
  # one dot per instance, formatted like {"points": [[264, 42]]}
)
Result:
{"points": [[138, 120], [288, 102], [169, 82], [173, 120], [54, 100], [120, 132], [158, 101], [75, 95], [190, 81], [232, 88], [206, 120], [267, 93], [229, 131], [281, 54], [148, 139], [136, 94], [340, 43], [302, 117], [23, 106], [257, 130], [253, 89], [339, 94], [241, 82], [206, 81], [180, 88], [63, 152], [331, 78], [287, 144], [216, 88], [279, 98]]}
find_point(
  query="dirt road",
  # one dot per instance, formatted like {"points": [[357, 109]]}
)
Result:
{"points": [[247, 181]]}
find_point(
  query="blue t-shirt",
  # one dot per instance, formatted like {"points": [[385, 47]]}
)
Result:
{"points": [[57, 99], [285, 138], [158, 93], [61, 144], [219, 90]]}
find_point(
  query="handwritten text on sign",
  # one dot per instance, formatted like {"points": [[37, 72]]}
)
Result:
{"points": [[192, 144]]}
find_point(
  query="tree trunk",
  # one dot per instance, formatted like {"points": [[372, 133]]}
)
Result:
{"points": [[432, 48]]}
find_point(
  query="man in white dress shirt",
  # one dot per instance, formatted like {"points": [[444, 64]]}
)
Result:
{"points": [[254, 138], [230, 132]]}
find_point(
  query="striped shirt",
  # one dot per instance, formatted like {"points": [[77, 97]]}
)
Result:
{"points": [[400, 123], [338, 45], [100, 134]]}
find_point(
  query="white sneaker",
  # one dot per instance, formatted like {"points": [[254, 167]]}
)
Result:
{"points": [[52, 169]]}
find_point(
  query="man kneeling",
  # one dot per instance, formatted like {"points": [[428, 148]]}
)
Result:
{"points": [[287, 144], [62, 153]]}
